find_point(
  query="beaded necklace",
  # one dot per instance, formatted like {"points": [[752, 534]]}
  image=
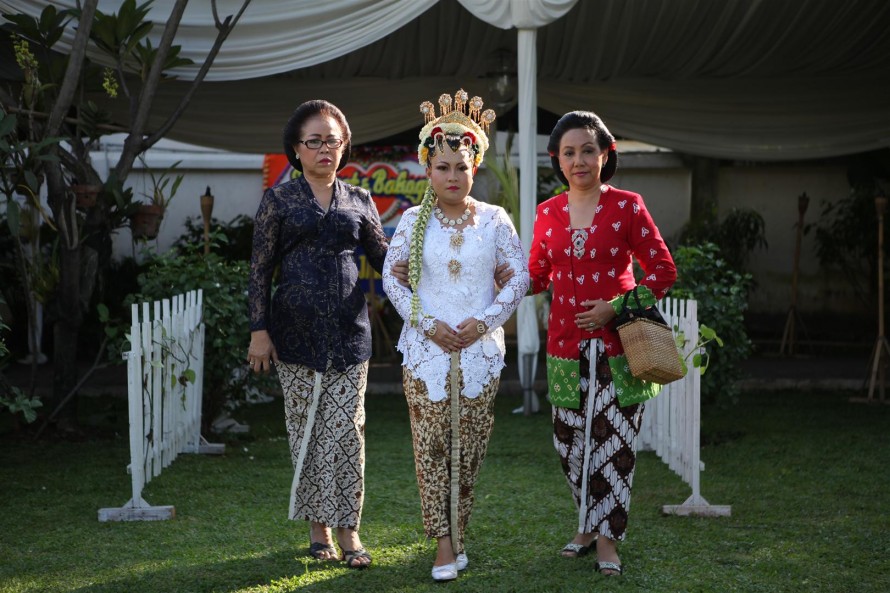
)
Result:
{"points": [[452, 221]]}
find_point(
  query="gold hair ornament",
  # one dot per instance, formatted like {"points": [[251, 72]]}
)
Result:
{"points": [[461, 124]]}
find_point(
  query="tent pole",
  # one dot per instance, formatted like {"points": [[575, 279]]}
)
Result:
{"points": [[528, 182]]}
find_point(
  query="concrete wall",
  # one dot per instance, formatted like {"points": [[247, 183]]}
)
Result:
{"points": [[773, 190], [235, 181], [665, 186]]}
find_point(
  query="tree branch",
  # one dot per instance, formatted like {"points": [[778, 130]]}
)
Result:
{"points": [[134, 144], [73, 71], [224, 28], [97, 365], [55, 182]]}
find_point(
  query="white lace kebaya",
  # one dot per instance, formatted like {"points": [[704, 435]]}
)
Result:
{"points": [[458, 283]]}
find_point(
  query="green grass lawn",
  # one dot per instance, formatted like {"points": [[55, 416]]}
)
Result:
{"points": [[806, 475]]}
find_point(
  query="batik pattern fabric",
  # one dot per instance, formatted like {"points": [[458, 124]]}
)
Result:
{"points": [[431, 433], [597, 447], [457, 283], [318, 311], [592, 263], [330, 484]]}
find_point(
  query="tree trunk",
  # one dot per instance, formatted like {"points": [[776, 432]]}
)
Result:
{"points": [[69, 314], [69, 318]]}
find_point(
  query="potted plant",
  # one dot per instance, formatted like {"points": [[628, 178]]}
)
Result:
{"points": [[85, 194], [145, 222]]}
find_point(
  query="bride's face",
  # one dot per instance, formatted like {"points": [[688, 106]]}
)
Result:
{"points": [[451, 174]]}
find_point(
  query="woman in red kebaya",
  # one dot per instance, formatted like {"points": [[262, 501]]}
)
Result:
{"points": [[585, 240]]}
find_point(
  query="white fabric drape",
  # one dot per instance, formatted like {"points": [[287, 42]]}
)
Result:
{"points": [[273, 36], [737, 79], [521, 14], [792, 118]]}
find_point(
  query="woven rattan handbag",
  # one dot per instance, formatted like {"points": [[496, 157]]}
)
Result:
{"points": [[648, 343]]}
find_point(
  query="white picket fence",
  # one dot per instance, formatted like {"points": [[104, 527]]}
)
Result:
{"points": [[165, 375], [672, 421]]}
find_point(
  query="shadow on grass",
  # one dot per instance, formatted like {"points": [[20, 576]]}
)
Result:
{"points": [[276, 571]]}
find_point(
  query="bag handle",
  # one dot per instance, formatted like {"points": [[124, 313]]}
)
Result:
{"points": [[629, 314], [627, 294]]}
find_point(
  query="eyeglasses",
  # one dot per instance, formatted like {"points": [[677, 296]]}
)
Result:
{"points": [[315, 143]]}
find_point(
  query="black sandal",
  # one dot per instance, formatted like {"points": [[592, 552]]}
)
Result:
{"points": [[350, 556], [614, 566], [577, 549], [321, 551]]}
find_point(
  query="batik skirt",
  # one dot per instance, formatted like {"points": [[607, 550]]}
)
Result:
{"points": [[597, 447], [325, 417], [432, 436]]}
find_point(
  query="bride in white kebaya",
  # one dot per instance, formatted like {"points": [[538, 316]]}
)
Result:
{"points": [[452, 340]]}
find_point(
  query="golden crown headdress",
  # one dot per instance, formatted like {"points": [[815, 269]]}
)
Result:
{"points": [[460, 123]]}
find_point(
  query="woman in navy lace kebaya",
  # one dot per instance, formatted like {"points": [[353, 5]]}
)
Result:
{"points": [[314, 327]]}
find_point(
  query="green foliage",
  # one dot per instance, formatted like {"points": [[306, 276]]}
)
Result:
{"points": [[22, 159], [846, 238], [46, 29], [118, 34], [699, 355], [119, 200], [225, 313], [507, 175], [123, 36], [13, 398], [160, 181], [722, 295], [549, 185], [238, 235], [741, 232], [146, 54], [17, 402]]}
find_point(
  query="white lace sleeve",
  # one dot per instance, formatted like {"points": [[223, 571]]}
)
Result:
{"points": [[509, 250], [399, 246]]}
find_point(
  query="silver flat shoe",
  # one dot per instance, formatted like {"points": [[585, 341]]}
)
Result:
{"points": [[461, 561], [446, 572]]}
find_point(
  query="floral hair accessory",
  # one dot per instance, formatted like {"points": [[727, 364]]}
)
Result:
{"points": [[612, 146], [461, 124]]}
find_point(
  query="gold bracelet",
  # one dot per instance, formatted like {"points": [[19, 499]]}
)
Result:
{"points": [[480, 327], [432, 331]]}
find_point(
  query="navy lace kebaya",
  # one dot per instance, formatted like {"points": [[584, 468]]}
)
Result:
{"points": [[318, 310]]}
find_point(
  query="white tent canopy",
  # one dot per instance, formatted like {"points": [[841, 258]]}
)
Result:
{"points": [[738, 79]]}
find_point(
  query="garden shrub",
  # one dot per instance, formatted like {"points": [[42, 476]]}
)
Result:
{"points": [[741, 232], [846, 236], [722, 295], [227, 332], [238, 234]]}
